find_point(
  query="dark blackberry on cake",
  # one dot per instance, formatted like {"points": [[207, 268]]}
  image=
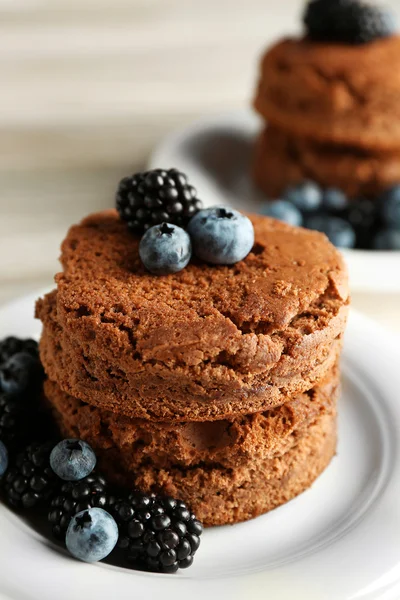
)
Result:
{"points": [[157, 534], [154, 197], [322, 18], [76, 496], [347, 21]]}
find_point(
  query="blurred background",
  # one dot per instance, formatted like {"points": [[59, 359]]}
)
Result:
{"points": [[88, 88]]}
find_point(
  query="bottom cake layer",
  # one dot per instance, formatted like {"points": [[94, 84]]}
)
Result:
{"points": [[227, 471], [281, 160], [221, 496]]}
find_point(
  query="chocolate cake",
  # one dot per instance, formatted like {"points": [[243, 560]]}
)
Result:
{"points": [[216, 384], [328, 100]]}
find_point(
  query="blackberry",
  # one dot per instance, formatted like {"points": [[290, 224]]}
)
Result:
{"points": [[30, 480], [12, 345], [347, 21], [3, 459], [155, 197], [24, 419], [76, 496], [157, 534], [12, 423], [322, 18]]}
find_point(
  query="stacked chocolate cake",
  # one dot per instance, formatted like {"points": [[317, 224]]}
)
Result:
{"points": [[330, 102], [217, 384]]}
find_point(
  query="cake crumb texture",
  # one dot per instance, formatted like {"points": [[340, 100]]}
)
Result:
{"points": [[228, 470], [335, 93], [202, 344]]}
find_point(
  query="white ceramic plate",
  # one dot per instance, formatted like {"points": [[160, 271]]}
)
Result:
{"points": [[216, 152], [340, 540]]}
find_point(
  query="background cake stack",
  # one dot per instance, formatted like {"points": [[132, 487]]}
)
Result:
{"points": [[217, 384], [330, 103]]}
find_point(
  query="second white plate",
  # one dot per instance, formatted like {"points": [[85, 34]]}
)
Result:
{"points": [[215, 152]]}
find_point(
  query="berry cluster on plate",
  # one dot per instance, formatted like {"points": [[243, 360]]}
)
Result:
{"points": [[163, 207], [363, 223], [42, 475]]}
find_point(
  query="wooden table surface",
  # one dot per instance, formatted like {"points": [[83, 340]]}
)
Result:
{"points": [[88, 87]]}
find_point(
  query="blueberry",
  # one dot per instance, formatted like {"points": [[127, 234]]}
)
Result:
{"points": [[18, 373], [72, 460], [283, 211], [391, 207], [3, 459], [91, 535], [221, 235], [338, 231], [306, 196], [387, 239], [334, 200], [165, 249]]}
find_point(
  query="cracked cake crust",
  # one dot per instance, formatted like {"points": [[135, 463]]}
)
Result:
{"points": [[228, 443], [202, 344]]}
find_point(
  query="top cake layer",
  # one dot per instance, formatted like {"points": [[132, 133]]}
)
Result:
{"points": [[345, 94], [202, 344]]}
